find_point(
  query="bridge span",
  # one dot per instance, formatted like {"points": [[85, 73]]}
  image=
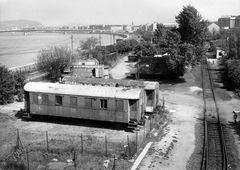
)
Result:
{"points": [[64, 31]]}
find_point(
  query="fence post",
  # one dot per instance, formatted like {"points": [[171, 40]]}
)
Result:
{"points": [[18, 143], [113, 163], [155, 117], [144, 130], [74, 159], [81, 143], [163, 104], [47, 140], [106, 145], [27, 158], [136, 141], [150, 122], [129, 150]]}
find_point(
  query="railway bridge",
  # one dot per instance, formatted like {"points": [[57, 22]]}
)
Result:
{"points": [[64, 31]]}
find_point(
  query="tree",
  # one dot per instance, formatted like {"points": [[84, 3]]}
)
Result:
{"points": [[19, 79], [172, 38], [175, 64], [7, 86], [88, 44], [53, 61], [159, 36], [145, 49], [147, 36], [191, 26]]}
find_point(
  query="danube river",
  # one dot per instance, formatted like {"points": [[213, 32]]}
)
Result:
{"points": [[17, 49]]}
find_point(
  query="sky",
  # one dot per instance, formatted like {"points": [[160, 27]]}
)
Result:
{"points": [[86, 12]]}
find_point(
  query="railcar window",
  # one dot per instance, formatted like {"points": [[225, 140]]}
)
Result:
{"points": [[103, 103], [44, 99], [59, 100], [88, 102], [73, 101], [133, 105], [35, 98], [119, 104]]}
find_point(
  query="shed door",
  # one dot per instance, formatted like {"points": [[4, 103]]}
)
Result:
{"points": [[150, 97], [133, 109]]}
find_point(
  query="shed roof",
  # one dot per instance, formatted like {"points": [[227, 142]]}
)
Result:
{"points": [[112, 82], [83, 90]]}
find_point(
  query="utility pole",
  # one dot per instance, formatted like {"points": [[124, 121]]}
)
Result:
{"points": [[100, 39], [71, 49]]}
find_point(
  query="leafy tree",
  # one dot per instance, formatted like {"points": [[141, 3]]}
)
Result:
{"points": [[145, 49], [19, 78], [147, 36], [159, 36], [53, 61], [89, 44], [133, 43], [111, 48], [233, 72], [188, 52], [172, 38], [175, 63], [7, 86], [191, 26]]}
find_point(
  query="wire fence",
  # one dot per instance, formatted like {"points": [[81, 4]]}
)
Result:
{"points": [[80, 150]]}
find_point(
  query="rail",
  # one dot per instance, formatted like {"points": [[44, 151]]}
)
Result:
{"points": [[214, 152]]}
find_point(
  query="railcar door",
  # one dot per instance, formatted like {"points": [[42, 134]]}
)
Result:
{"points": [[133, 109], [27, 101], [150, 100]]}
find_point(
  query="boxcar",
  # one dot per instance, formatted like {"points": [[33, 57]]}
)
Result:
{"points": [[151, 88], [112, 104]]}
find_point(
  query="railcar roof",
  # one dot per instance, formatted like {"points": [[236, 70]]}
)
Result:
{"points": [[83, 90], [113, 82]]}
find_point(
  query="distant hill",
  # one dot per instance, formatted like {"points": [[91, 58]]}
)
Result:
{"points": [[16, 24]]}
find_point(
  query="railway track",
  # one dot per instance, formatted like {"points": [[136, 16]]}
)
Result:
{"points": [[214, 153]]}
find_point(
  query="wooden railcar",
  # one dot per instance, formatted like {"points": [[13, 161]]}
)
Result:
{"points": [[151, 88], [111, 104]]}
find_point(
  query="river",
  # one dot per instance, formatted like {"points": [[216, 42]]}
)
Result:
{"points": [[17, 49]]}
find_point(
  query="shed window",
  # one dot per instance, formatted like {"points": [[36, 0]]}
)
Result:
{"points": [[35, 98], [103, 103], [59, 100], [119, 104], [44, 99], [89, 102], [133, 105], [73, 101]]}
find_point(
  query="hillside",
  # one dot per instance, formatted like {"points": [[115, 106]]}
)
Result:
{"points": [[16, 24]]}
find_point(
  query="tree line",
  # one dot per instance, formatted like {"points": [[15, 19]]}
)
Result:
{"points": [[231, 61], [11, 85]]}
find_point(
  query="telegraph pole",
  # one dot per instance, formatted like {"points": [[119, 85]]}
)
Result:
{"points": [[71, 49], [100, 39]]}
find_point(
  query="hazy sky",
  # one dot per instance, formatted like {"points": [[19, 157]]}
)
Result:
{"points": [[60, 12]]}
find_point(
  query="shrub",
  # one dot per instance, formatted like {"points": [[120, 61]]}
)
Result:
{"points": [[7, 85], [53, 61], [233, 72], [19, 78]]}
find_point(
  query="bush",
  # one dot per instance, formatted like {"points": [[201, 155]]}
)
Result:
{"points": [[53, 61], [19, 78], [7, 85], [145, 49], [233, 72]]}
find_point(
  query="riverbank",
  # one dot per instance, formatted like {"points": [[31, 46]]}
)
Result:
{"points": [[17, 49]]}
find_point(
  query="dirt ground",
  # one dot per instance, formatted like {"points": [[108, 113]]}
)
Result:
{"points": [[176, 145]]}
